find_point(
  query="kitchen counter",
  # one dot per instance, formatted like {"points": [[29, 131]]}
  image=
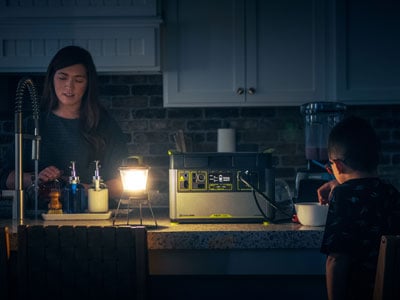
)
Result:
{"points": [[170, 235], [286, 248]]}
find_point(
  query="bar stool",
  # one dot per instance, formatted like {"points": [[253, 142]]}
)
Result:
{"points": [[78, 262], [388, 269], [4, 263]]}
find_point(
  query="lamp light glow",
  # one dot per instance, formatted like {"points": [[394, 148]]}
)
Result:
{"points": [[134, 179]]}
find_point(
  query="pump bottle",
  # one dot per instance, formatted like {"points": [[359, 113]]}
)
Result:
{"points": [[97, 193], [73, 195]]}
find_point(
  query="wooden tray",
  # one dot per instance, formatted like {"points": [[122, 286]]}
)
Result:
{"points": [[83, 216]]}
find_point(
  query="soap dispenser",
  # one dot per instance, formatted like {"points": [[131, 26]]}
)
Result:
{"points": [[74, 200], [97, 193]]}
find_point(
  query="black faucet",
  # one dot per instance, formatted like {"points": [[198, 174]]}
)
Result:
{"points": [[23, 84]]}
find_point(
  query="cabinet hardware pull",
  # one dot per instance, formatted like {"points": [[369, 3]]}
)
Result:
{"points": [[251, 91], [240, 91]]}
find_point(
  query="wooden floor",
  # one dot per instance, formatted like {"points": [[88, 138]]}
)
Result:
{"points": [[218, 287], [237, 287]]}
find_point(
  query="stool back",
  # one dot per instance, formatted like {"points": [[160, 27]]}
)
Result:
{"points": [[78, 262], [387, 281], [4, 263]]}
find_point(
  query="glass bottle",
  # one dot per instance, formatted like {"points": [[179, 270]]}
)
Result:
{"points": [[43, 192], [73, 195], [97, 193]]}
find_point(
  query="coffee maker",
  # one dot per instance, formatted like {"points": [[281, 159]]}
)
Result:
{"points": [[320, 117]]}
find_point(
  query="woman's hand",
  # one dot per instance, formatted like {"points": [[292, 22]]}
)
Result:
{"points": [[49, 173], [325, 191]]}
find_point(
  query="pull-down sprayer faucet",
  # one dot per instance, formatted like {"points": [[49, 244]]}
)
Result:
{"points": [[23, 84]]}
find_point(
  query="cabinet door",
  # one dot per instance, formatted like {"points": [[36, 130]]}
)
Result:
{"points": [[204, 53], [368, 51], [244, 53], [285, 51]]}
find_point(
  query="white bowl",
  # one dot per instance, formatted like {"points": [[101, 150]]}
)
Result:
{"points": [[311, 213]]}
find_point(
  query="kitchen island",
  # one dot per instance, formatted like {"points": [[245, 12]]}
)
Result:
{"points": [[218, 248], [198, 261]]}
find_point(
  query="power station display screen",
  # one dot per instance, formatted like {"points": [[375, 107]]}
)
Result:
{"points": [[220, 181], [212, 181]]}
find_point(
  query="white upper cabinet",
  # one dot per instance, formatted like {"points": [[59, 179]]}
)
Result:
{"points": [[368, 51], [122, 36], [244, 53]]}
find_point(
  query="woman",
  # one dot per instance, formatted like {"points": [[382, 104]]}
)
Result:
{"points": [[73, 127]]}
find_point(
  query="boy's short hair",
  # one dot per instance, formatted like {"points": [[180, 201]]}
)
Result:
{"points": [[354, 141]]}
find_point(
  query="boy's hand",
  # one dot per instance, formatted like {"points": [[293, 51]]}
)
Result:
{"points": [[325, 191]]}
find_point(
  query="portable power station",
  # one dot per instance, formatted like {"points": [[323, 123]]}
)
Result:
{"points": [[206, 187]]}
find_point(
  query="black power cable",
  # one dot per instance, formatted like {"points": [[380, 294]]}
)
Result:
{"points": [[267, 199]]}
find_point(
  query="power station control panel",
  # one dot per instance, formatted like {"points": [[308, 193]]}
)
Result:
{"points": [[213, 181], [211, 187]]}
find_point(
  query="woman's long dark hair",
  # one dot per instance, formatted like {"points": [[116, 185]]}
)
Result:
{"points": [[90, 109]]}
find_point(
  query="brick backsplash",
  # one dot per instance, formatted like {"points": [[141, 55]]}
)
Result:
{"points": [[136, 103]]}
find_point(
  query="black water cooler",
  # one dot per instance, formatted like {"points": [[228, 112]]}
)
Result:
{"points": [[320, 117]]}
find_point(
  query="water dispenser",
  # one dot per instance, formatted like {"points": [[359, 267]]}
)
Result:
{"points": [[320, 117]]}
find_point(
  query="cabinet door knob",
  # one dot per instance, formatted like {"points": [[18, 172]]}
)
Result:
{"points": [[240, 91], [251, 91]]}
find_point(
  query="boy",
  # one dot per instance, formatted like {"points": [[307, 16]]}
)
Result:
{"points": [[361, 209]]}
